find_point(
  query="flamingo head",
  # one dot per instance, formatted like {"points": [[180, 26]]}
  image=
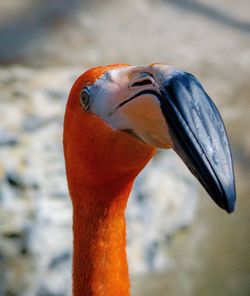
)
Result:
{"points": [[118, 115]]}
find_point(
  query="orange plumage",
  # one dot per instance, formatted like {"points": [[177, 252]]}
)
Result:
{"points": [[101, 165], [109, 140]]}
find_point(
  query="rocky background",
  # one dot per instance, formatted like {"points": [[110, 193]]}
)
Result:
{"points": [[179, 243]]}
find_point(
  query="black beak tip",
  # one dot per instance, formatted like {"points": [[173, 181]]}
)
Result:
{"points": [[229, 205], [230, 209], [223, 196]]}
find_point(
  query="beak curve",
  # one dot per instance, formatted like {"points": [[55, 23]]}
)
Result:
{"points": [[199, 136]]}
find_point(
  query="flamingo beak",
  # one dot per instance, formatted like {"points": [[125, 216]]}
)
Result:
{"points": [[170, 109], [198, 135]]}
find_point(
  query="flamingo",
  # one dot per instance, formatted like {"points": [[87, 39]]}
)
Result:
{"points": [[116, 117]]}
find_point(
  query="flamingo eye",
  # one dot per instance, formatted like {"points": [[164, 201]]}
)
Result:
{"points": [[85, 99]]}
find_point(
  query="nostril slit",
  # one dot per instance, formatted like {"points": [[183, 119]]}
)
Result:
{"points": [[142, 82]]}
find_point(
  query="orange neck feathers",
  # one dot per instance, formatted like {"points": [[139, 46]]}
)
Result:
{"points": [[101, 165]]}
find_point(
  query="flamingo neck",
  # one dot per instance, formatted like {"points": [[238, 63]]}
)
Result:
{"points": [[99, 253]]}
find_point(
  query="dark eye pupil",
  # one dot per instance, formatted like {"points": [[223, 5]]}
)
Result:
{"points": [[85, 99]]}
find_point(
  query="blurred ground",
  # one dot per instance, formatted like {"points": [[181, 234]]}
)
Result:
{"points": [[208, 38]]}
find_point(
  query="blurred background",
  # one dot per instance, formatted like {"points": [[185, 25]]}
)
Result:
{"points": [[179, 242]]}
